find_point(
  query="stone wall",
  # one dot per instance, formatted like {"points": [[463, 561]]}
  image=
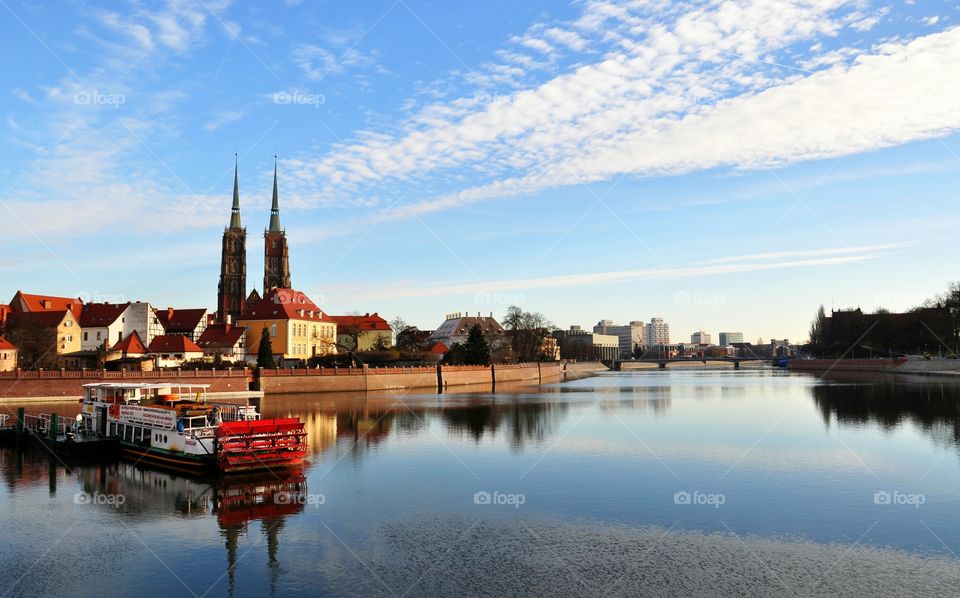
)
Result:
{"points": [[62, 384]]}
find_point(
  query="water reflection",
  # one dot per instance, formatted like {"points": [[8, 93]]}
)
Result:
{"points": [[365, 421], [933, 407]]}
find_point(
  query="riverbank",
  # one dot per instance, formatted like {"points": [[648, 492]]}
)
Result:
{"points": [[920, 367]]}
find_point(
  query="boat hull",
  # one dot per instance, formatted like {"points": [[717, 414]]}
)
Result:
{"points": [[202, 465]]}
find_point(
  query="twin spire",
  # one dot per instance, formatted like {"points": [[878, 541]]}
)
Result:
{"points": [[274, 209]]}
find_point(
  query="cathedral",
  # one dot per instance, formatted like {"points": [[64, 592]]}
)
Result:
{"points": [[232, 296]]}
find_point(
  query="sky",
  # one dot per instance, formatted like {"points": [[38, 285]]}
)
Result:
{"points": [[727, 165]]}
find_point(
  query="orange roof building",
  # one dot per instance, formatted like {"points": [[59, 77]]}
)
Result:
{"points": [[186, 322], [298, 328], [131, 346], [24, 302], [368, 332], [8, 356]]}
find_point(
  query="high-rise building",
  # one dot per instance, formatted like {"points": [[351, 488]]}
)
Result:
{"points": [[232, 290], [658, 332], [701, 338], [630, 335], [730, 338], [276, 255]]}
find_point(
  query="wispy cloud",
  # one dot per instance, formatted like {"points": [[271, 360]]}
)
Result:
{"points": [[732, 265], [676, 91]]}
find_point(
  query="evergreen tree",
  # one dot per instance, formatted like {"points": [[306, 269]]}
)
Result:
{"points": [[476, 349], [265, 352]]}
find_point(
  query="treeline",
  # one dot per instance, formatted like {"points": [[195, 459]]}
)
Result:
{"points": [[930, 328]]}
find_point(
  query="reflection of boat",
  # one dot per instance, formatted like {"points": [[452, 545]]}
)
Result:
{"points": [[235, 500], [173, 426]]}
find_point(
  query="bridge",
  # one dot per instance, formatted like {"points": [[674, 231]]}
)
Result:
{"points": [[617, 364]]}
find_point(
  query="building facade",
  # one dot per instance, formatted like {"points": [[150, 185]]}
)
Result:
{"points": [[658, 332], [730, 338], [232, 289], [579, 345], [631, 335], [701, 338], [368, 332], [8, 356], [298, 329], [105, 324], [276, 254], [456, 328], [183, 322]]}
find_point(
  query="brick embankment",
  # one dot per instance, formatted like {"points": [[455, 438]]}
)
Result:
{"points": [[900, 365], [59, 385], [282, 381]]}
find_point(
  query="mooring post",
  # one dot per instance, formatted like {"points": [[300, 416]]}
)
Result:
{"points": [[439, 378], [54, 424], [493, 378], [21, 422]]}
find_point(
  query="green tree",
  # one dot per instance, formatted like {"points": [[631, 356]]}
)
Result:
{"points": [[265, 352], [476, 349]]}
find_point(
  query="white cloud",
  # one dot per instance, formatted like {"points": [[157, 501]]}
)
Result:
{"points": [[931, 20], [679, 99], [224, 117]]}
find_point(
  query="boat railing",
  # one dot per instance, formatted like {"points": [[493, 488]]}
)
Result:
{"points": [[42, 423]]}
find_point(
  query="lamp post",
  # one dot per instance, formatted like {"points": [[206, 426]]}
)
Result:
{"points": [[953, 316]]}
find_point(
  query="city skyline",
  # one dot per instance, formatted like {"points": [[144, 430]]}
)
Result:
{"points": [[418, 176]]}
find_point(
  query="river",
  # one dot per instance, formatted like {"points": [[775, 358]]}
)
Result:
{"points": [[668, 482]]}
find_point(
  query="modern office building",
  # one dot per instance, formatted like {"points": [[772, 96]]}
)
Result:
{"points": [[730, 338], [658, 332], [589, 346]]}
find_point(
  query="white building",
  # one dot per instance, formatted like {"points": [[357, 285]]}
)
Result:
{"points": [[658, 332], [456, 328], [701, 338], [630, 335], [112, 322]]}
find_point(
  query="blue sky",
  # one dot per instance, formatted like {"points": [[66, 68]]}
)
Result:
{"points": [[723, 165]]}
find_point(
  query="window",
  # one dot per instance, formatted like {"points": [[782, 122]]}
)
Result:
{"points": [[273, 330], [68, 323], [85, 335], [99, 334]]}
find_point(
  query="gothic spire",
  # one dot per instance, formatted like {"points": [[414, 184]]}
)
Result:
{"points": [[235, 211], [275, 209]]}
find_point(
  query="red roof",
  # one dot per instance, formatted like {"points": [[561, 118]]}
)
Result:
{"points": [[284, 304], [6, 345], [438, 348], [364, 322], [131, 345], [221, 336], [101, 314], [40, 303], [43, 319], [180, 320], [173, 343]]}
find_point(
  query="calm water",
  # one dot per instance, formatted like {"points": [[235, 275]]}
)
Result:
{"points": [[408, 494]]}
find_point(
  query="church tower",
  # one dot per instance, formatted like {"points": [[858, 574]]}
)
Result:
{"points": [[276, 256], [232, 290]]}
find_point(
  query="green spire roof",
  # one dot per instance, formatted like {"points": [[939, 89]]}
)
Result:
{"points": [[275, 208], [235, 211]]}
